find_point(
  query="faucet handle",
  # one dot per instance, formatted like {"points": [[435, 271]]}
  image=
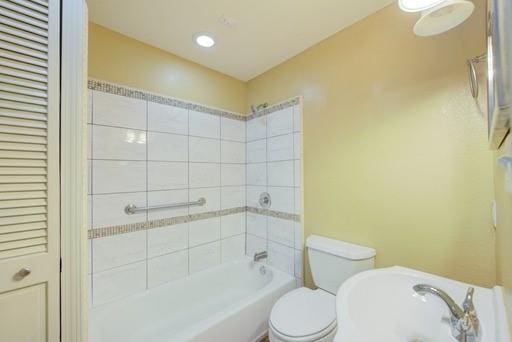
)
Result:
{"points": [[468, 305]]}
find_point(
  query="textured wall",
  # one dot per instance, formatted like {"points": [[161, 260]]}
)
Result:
{"points": [[395, 149], [120, 59]]}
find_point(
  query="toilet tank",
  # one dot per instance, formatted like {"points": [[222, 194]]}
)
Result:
{"points": [[333, 261]]}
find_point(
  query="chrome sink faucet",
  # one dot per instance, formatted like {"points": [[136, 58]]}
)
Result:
{"points": [[464, 322], [259, 256]]}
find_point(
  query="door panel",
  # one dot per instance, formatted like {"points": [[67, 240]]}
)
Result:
{"points": [[29, 170]]}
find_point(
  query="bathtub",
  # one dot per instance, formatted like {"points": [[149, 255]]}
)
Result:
{"points": [[229, 303]]}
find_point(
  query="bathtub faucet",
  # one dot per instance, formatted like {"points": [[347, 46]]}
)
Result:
{"points": [[260, 255]]}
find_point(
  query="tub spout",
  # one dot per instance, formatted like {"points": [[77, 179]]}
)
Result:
{"points": [[260, 255]]}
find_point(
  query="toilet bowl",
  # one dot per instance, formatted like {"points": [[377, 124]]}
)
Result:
{"points": [[306, 315]]}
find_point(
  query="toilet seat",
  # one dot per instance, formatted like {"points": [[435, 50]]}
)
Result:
{"points": [[303, 315]]}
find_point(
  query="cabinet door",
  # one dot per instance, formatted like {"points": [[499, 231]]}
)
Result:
{"points": [[29, 170]]}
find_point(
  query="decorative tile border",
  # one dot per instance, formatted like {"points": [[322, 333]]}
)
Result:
{"points": [[170, 221], [116, 89], [274, 108], [273, 213]]}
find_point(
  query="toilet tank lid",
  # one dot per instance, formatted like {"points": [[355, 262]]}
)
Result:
{"points": [[339, 248]]}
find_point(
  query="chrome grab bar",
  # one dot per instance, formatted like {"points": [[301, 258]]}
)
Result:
{"points": [[131, 209]]}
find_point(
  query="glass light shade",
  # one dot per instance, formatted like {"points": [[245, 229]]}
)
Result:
{"points": [[417, 5]]}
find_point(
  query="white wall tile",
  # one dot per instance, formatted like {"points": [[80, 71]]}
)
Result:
{"points": [[108, 210], [89, 177], [257, 225], [232, 129], [254, 245], [280, 148], [281, 231], [119, 282], [297, 118], [204, 150], [298, 264], [257, 151], [232, 174], [167, 175], [257, 174], [282, 199], [89, 256], [156, 198], [204, 231], [232, 152], [297, 169], [165, 118], [212, 197], [117, 250], [232, 197], [253, 195], [118, 143], [118, 176], [89, 211], [233, 248], [89, 106], [204, 125], [257, 128], [116, 110], [281, 257], [204, 257], [281, 173], [232, 225], [280, 122], [297, 145], [167, 147], [167, 268], [204, 175], [298, 201], [89, 141], [299, 236], [168, 239], [89, 285]]}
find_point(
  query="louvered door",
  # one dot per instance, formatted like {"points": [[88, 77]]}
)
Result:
{"points": [[29, 170]]}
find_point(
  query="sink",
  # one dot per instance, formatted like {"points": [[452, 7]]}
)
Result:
{"points": [[381, 306]]}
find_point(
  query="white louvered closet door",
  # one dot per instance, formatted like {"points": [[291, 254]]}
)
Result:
{"points": [[29, 170]]}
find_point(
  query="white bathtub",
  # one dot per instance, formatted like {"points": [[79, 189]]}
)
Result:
{"points": [[229, 303]]}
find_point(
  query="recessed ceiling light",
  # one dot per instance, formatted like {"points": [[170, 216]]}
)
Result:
{"points": [[204, 40]]}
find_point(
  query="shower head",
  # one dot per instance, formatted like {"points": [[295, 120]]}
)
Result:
{"points": [[256, 109]]}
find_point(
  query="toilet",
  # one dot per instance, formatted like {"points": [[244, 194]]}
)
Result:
{"points": [[305, 315]]}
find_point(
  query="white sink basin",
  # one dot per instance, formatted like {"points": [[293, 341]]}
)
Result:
{"points": [[381, 306]]}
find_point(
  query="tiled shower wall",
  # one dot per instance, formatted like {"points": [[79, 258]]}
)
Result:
{"points": [[274, 164], [150, 150], [148, 153]]}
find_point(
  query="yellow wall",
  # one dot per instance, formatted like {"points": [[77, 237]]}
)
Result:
{"points": [[120, 59], [395, 151]]}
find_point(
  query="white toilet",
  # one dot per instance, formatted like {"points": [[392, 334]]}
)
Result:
{"points": [[305, 315]]}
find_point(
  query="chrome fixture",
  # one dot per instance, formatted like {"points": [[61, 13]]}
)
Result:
{"points": [[131, 209], [473, 81], [464, 322], [256, 109], [265, 200], [260, 255]]}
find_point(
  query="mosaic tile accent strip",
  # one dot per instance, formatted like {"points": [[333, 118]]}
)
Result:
{"points": [[170, 221], [273, 213], [275, 108], [116, 89]]}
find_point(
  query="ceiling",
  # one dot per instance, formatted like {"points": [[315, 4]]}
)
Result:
{"points": [[252, 35]]}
